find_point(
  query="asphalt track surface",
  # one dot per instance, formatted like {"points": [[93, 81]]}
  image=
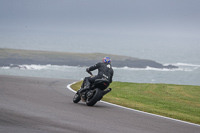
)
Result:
{"points": [[41, 105]]}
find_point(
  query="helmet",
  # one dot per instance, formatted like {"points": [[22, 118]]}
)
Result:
{"points": [[106, 60]]}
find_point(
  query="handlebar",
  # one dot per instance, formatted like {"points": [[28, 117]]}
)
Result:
{"points": [[90, 73]]}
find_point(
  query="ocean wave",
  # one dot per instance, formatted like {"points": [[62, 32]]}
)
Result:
{"points": [[186, 64], [153, 69], [5, 67], [183, 64], [181, 67], [38, 67]]}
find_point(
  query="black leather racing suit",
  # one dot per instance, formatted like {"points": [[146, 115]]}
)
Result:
{"points": [[105, 71]]}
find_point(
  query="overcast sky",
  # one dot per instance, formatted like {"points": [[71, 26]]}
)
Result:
{"points": [[99, 22]]}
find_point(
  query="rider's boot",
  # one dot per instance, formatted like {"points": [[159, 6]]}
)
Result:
{"points": [[84, 86], [82, 93]]}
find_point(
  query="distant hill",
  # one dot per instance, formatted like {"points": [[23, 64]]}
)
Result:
{"points": [[19, 57]]}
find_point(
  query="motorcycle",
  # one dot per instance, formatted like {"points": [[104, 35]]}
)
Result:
{"points": [[93, 94]]}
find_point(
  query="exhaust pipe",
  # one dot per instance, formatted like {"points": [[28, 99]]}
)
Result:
{"points": [[106, 91]]}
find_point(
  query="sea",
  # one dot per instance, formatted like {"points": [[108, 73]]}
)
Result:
{"points": [[186, 57]]}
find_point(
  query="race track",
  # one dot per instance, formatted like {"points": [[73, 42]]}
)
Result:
{"points": [[41, 105]]}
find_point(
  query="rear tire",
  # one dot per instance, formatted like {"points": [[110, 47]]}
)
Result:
{"points": [[76, 98], [97, 95]]}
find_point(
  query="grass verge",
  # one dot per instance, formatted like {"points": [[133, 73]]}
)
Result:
{"points": [[175, 101]]}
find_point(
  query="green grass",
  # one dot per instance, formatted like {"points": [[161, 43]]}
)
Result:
{"points": [[176, 101]]}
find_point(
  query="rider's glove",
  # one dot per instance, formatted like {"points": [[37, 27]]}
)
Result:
{"points": [[87, 70]]}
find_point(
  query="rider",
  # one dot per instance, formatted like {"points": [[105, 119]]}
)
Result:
{"points": [[105, 71]]}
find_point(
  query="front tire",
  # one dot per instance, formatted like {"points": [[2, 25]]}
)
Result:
{"points": [[97, 95], [76, 98]]}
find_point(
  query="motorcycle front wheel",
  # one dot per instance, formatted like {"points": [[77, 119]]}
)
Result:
{"points": [[96, 96], [76, 98]]}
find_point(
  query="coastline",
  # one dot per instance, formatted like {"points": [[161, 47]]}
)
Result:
{"points": [[18, 57]]}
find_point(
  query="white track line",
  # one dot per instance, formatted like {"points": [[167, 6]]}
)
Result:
{"points": [[69, 87]]}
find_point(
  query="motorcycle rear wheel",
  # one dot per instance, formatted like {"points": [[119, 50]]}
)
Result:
{"points": [[97, 95]]}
